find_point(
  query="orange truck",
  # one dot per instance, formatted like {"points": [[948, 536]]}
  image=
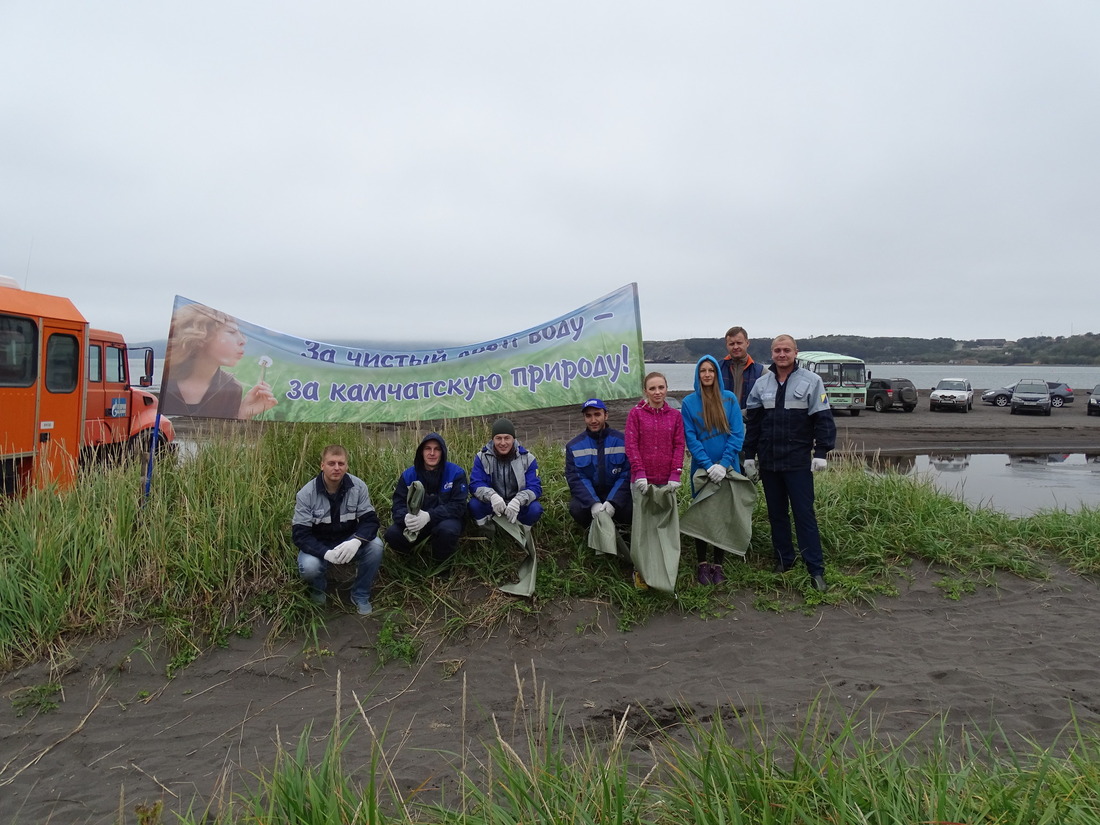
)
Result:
{"points": [[65, 393]]}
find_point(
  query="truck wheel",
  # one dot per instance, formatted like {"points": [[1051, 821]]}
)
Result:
{"points": [[909, 407], [966, 409], [879, 406], [138, 446]]}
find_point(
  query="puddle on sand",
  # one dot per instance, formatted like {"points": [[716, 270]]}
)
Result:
{"points": [[1017, 484]]}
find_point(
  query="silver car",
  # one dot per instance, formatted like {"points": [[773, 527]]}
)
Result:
{"points": [[1031, 396], [952, 394]]}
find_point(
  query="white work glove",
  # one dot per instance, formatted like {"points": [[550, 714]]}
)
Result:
{"points": [[818, 464], [609, 508], [750, 468], [417, 522], [497, 503], [674, 486], [343, 552], [641, 485], [596, 508], [716, 473], [511, 512]]}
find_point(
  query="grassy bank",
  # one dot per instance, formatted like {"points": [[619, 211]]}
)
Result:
{"points": [[210, 553]]}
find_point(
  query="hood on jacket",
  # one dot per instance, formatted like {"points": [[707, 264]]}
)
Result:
{"points": [[418, 462], [717, 373]]}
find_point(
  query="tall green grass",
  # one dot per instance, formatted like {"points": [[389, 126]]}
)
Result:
{"points": [[210, 551]]}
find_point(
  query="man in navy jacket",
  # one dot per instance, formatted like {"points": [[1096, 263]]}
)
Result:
{"points": [[440, 515], [597, 469]]}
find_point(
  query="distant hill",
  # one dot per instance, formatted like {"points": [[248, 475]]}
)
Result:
{"points": [[1074, 349]]}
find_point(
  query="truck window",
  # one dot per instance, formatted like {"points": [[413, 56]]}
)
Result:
{"points": [[62, 363], [18, 351], [95, 363], [116, 365]]}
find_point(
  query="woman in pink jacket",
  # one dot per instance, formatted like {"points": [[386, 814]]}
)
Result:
{"points": [[654, 443]]}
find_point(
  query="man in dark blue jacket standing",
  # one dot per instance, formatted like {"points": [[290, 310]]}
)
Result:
{"points": [[739, 371], [597, 469], [791, 429], [440, 515]]}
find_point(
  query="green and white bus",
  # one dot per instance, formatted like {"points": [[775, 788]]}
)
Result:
{"points": [[845, 378]]}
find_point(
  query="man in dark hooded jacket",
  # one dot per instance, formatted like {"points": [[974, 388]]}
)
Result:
{"points": [[440, 515]]}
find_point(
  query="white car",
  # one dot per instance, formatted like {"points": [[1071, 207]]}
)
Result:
{"points": [[952, 394]]}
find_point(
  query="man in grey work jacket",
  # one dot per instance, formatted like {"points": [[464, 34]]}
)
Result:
{"points": [[335, 523], [790, 430]]}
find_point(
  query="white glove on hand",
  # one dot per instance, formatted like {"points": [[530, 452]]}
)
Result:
{"points": [[609, 508], [497, 503], [511, 512], [818, 464], [674, 486], [596, 508], [641, 485], [716, 473], [418, 522], [750, 468], [343, 552]]}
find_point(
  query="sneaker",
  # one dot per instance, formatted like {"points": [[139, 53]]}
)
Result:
{"points": [[704, 575], [639, 582], [716, 574], [318, 597], [364, 607]]}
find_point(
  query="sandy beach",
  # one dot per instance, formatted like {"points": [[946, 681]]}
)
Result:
{"points": [[1021, 655]]}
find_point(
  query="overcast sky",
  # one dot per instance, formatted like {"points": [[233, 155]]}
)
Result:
{"points": [[460, 171]]}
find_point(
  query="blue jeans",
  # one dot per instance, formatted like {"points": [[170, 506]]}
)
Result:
{"points": [[314, 571], [787, 492]]}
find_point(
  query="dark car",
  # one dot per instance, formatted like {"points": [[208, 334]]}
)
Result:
{"points": [[884, 393], [1031, 396], [1093, 407], [1060, 394]]}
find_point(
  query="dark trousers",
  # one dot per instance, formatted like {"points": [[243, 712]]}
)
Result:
{"points": [[792, 492], [442, 535]]}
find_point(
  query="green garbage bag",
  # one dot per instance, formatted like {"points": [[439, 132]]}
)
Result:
{"points": [[604, 538], [655, 536], [414, 499], [721, 514], [528, 568]]}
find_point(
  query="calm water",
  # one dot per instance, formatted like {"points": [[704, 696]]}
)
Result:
{"points": [[925, 376]]}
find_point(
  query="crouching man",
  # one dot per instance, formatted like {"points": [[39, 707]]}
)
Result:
{"points": [[439, 514], [335, 523], [597, 469], [505, 480]]}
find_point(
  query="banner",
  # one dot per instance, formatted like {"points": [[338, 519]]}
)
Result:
{"points": [[219, 366]]}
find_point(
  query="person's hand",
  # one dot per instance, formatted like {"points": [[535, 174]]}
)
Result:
{"points": [[417, 522], [750, 469], [716, 473], [596, 508], [818, 464], [641, 485], [343, 552], [511, 512], [257, 400], [609, 508], [497, 503], [674, 486]]}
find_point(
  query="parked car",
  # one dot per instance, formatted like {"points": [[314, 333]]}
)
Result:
{"points": [[952, 394], [1031, 396], [884, 393], [1060, 394], [1093, 407]]}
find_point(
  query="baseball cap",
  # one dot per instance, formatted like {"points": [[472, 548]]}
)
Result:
{"points": [[593, 402]]}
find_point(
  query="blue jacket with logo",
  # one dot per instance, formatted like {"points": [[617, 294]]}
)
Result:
{"points": [[789, 423], [709, 447], [597, 469], [445, 489]]}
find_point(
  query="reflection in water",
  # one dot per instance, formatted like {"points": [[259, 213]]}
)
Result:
{"points": [[900, 464], [1017, 484]]}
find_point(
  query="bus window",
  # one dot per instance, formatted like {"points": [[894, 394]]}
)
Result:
{"points": [[62, 363], [95, 363], [18, 351]]}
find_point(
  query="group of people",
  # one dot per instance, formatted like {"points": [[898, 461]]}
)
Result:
{"points": [[774, 424]]}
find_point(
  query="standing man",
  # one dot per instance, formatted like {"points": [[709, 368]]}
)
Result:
{"points": [[335, 523], [739, 371], [597, 469], [791, 429], [440, 515]]}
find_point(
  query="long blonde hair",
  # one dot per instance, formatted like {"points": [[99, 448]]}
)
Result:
{"points": [[714, 411]]}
